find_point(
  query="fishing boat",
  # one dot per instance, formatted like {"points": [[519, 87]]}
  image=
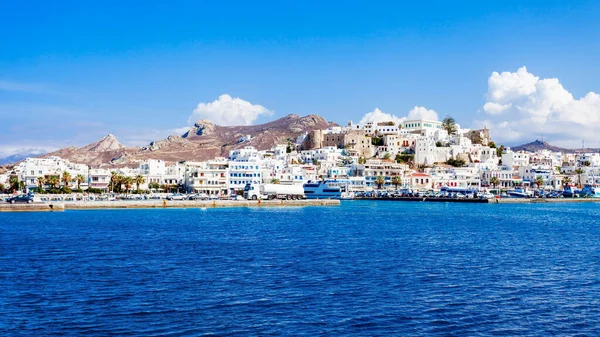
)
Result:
{"points": [[518, 193], [570, 192], [590, 191]]}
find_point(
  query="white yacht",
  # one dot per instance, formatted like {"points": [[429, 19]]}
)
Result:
{"points": [[321, 190]]}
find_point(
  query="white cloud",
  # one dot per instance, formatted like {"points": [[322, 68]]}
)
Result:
{"points": [[229, 111], [419, 112], [521, 107], [377, 116]]}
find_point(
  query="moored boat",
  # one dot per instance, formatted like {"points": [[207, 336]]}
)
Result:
{"points": [[321, 190]]}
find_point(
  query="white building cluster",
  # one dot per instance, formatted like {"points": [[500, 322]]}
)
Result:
{"points": [[418, 154]]}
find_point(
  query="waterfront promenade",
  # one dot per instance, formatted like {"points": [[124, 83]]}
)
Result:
{"points": [[125, 204]]}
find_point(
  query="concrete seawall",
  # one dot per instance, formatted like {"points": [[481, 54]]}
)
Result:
{"points": [[538, 201], [130, 204]]}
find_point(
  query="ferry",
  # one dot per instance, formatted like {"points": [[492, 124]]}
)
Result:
{"points": [[321, 190]]}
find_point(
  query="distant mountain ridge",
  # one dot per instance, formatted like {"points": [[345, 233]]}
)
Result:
{"points": [[540, 145], [203, 141], [17, 157]]}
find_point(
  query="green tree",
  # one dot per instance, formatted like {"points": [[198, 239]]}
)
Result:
{"points": [[139, 179], [66, 178], [53, 181], [566, 181], [128, 182], [379, 181], [41, 181], [362, 160], [387, 155], [456, 162], [494, 181], [288, 149], [587, 163], [449, 124], [500, 150], [2, 187], [558, 169], [579, 172], [396, 181], [539, 181], [13, 182], [492, 145], [405, 157], [439, 144], [79, 179], [275, 181]]}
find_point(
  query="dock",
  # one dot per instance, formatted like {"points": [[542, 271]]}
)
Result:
{"points": [[140, 204]]}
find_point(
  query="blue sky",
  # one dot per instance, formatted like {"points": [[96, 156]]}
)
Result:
{"points": [[71, 72]]}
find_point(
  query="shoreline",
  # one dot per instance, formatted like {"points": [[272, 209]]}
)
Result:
{"points": [[152, 204]]}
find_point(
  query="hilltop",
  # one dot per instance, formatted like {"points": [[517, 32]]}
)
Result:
{"points": [[204, 140]]}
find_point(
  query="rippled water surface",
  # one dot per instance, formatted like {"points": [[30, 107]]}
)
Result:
{"points": [[363, 268]]}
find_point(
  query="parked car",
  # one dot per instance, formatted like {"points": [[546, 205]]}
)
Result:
{"points": [[22, 198], [176, 196]]}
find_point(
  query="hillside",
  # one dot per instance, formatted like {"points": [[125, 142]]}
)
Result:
{"points": [[203, 141]]}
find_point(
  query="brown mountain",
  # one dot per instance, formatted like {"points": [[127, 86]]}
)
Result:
{"points": [[202, 141]]}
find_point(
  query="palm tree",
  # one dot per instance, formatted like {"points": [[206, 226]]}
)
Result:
{"points": [[579, 172], [396, 181], [128, 182], [379, 181], [114, 178], [566, 181], [66, 178], [558, 169], [539, 181], [139, 179], [79, 179], [13, 182], [494, 181], [41, 181], [53, 181], [274, 181]]}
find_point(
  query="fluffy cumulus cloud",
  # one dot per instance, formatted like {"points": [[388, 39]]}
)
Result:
{"points": [[377, 115], [418, 112], [520, 107], [227, 110]]}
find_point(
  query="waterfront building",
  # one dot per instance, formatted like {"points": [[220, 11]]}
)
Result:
{"points": [[420, 180], [211, 178], [99, 179]]}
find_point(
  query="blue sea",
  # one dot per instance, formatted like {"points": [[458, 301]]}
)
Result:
{"points": [[363, 269]]}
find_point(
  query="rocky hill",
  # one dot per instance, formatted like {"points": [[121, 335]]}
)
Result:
{"points": [[539, 145], [203, 141]]}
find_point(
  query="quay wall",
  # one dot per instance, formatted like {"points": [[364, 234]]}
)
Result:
{"points": [[130, 204]]}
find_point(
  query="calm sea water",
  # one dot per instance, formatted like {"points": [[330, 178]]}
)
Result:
{"points": [[364, 268]]}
